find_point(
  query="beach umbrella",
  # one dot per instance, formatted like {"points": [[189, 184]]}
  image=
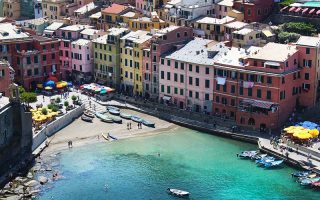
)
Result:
{"points": [[302, 135], [49, 83], [59, 86], [314, 133], [70, 84], [289, 128], [103, 91], [48, 88], [39, 85]]}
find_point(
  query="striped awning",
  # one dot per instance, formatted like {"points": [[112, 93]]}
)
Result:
{"points": [[318, 12], [282, 9], [292, 9], [305, 10], [297, 10], [312, 10], [258, 103]]}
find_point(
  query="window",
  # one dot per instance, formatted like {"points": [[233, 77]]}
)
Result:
{"points": [[53, 56], [224, 88], [162, 74], [268, 94], [175, 77], [217, 99], [269, 80], [36, 71], [197, 95], [207, 70], [190, 68], [182, 66], [168, 76], [44, 58], [249, 12], [259, 93], [18, 61], [282, 95], [162, 61], [307, 50], [283, 80], [181, 91], [197, 81], [233, 89], [88, 57], [181, 78], [233, 102], [176, 65], [255, 63], [190, 80], [178, 35], [168, 62], [197, 69], [162, 88], [306, 76], [185, 34], [168, 89], [28, 60], [250, 92], [29, 72], [207, 97], [217, 87], [207, 83], [190, 94]]}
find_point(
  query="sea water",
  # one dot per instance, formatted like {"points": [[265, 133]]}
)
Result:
{"points": [[144, 167]]}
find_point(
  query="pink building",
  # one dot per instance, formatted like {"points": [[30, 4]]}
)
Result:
{"points": [[68, 34], [163, 40], [222, 8], [82, 60], [187, 75]]}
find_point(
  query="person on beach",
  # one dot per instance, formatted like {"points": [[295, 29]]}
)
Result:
{"points": [[138, 125], [128, 125], [43, 98]]}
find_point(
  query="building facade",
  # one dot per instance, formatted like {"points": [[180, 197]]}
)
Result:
{"points": [[254, 10], [6, 77]]}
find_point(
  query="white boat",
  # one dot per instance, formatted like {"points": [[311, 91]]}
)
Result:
{"points": [[179, 193]]}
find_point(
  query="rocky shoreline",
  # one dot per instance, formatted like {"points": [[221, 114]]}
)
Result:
{"points": [[40, 177]]}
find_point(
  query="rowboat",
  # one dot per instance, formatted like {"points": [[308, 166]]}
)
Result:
{"points": [[247, 154], [136, 119], [258, 156], [85, 118], [125, 116], [113, 108], [309, 181], [301, 174], [116, 119], [114, 112], [108, 137], [273, 163], [112, 137], [148, 123], [264, 160], [104, 136], [88, 114], [103, 117], [179, 193]]}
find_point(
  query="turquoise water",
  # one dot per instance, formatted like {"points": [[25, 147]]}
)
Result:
{"points": [[203, 164]]}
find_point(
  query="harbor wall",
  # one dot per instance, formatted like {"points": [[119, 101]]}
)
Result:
{"points": [[55, 126]]}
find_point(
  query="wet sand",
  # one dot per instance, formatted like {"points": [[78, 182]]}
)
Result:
{"points": [[83, 133]]}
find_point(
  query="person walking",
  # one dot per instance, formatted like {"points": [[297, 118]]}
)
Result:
{"points": [[130, 125]]}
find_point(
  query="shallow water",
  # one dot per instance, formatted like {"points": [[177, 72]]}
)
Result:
{"points": [[202, 164]]}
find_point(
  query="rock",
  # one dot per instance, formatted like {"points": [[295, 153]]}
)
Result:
{"points": [[19, 190], [29, 175], [43, 180], [34, 192], [21, 179], [32, 183], [37, 167], [48, 169]]}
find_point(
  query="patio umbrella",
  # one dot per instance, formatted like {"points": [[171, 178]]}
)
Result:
{"points": [[48, 88], [49, 83], [39, 85], [314, 133], [103, 91], [302, 135], [70, 84]]}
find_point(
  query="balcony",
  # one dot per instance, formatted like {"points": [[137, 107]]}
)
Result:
{"points": [[27, 53]]}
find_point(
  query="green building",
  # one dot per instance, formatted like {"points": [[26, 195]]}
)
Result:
{"points": [[106, 50]]}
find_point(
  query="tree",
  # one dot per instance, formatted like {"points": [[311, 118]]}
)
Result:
{"points": [[44, 111], [299, 28], [73, 97], [285, 37], [58, 100], [21, 89], [28, 97], [66, 103]]}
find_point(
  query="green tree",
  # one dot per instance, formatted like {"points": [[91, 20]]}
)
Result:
{"points": [[58, 100], [28, 97], [284, 37], [44, 111], [66, 103], [287, 2], [299, 28], [21, 89]]}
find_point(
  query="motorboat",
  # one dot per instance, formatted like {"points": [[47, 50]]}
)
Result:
{"points": [[258, 156], [112, 137], [136, 119], [116, 119], [87, 119], [99, 115], [148, 123], [113, 108], [309, 181], [264, 160], [247, 154], [114, 112], [301, 174], [179, 193], [88, 114], [103, 117], [125, 116], [273, 164]]}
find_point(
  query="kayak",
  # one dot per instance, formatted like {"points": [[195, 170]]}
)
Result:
{"points": [[125, 116], [148, 123], [113, 108], [114, 112], [136, 119]]}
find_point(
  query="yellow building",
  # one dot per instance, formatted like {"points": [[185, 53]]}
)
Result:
{"points": [[106, 50], [147, 23], [211, 28], [131, 46], [11, 9], [111, 16], [127, 16], [236, 14]]}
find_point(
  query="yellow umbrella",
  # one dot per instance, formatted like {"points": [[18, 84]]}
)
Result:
{"points": [[48, 88], [39, 85], [289, 128], [33, 110], [302, 134], [314, 133]]}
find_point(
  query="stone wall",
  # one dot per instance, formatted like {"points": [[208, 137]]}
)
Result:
{"points": [[283, 18], [55, 126]]}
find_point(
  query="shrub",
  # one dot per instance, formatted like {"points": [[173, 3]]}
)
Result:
{"points": [[300, 28], [58, 100], [44, 111], [284, 37], [55, 109], [287, 2], [21, 89], [66, 103], [28, 97], [50, 106], [73, 97]]}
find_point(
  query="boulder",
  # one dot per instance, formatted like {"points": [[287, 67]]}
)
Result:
{"points": [[32, 183], [19, 190], [29, 175], [43, 180]]}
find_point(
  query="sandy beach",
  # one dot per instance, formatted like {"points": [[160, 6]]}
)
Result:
{"points": [[83, 133]]}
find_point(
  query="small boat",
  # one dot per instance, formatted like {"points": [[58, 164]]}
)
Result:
{"points": [[179, 193], [114, 112], [125, 116], [112, 137], [258, 156], [273, 163], [301, 174], [136, 119], [103, 117], [99, 115], [104, 136], [85, 118], [88, 114], [309, 181], [113, 108], [247, 154], [148, 123], [116, 119], [316, 184], [264, 160]]}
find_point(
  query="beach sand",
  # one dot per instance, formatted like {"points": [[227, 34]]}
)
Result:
{"points": [[83, 133]]}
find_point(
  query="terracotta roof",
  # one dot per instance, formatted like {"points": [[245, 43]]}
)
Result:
{"points": [[114, 9]]}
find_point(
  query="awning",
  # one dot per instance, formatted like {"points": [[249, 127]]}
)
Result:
{"points": [[267, 33], [318, 12], [168, 6], [258, 103], [312, 10], [167, 98], [282, 9], [305, 10], [292, 9], [298, 9], [272, 63]]}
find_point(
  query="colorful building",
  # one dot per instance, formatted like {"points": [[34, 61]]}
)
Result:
{"points": [[6, 77], [163, 41], [222, 8], [231, 27], [11, 9], [187, 75], [106, 50], [254, 10], [211, 28], [111, 16], [131, 46], [146, 23]]}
